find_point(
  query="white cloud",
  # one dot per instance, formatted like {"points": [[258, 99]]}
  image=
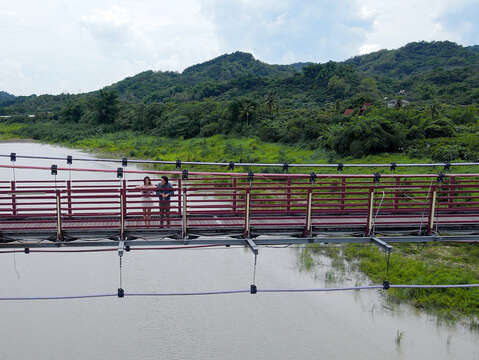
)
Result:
{"points": [[397, 22], [71, 46]]}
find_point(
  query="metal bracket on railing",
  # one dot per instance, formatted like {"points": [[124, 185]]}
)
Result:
{"points": [[121, 248], [69, 159], [252, 245], [382, 244], [393, 167], [312, 177], [231, 165], [285, 167], [250, 176], [124, 162], [119, 172], [178, 164], [340, 167], [377, 177], [184, 175], [13, 157]]}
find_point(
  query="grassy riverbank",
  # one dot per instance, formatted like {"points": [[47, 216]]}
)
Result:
{"points": [[415, 264]]}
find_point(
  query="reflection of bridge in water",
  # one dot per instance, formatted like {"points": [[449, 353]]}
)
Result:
{"points": [[239, 208]]}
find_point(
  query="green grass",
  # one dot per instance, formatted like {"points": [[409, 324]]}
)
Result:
{"points": [[10, 131], [410, 264]]}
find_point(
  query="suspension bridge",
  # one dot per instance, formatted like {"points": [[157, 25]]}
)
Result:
{"points": [[231, 208], [214, 209]]}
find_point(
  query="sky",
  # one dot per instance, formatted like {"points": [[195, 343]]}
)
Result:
{"points": [[59, 46]]}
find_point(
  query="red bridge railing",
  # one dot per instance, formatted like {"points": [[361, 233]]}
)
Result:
{"points": [[234, 203]]}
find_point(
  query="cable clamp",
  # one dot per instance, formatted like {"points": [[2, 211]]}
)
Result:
{"points": [[69, 159], [124, 162], [231, 165], [54, 169], [253, 289], [340, 167], [250, 176], [121, 293], [184, 175], [393, 166], [178, 164], [377, 177], [447, 166], [440, 177], [119, 172], [121, 248], [386, 285], [285, 167], [13, 157], [312, 177]]}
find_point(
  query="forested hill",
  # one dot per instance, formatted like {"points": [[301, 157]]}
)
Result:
{"points": [[421, 98], [416, 57], [6, 98]]}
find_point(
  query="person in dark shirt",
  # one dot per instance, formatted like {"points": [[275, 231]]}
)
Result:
{"points": [[165, 191]]}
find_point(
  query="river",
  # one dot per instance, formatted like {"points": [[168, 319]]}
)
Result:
{"points": [[333, 325]]}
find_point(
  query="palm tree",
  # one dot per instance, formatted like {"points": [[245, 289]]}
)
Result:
{"points": [[247, 108]]}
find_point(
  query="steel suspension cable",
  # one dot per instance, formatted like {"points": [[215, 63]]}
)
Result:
{"points": [[240, 291]]}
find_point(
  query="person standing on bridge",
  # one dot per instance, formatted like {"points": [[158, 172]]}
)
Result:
{"points": [[148, 190], [164, 191]]}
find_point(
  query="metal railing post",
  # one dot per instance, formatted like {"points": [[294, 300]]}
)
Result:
{"points": [[69, 197], [247, 219], [184, 227], [396, 194], [59, 216], [369, 225], [307, 230], [179, 196], [14, 200], [450, 195], [432, 211], [288, 196], [234, 195], [123, 212]]}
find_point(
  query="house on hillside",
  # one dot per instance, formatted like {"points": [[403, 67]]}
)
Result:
{"points": [[361, 110], [394, 103]]}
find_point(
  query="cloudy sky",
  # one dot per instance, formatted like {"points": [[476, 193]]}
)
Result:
{"points": [[56, 46]]}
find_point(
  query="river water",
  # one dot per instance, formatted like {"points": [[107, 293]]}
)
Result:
{"points": [[334, 325]]}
